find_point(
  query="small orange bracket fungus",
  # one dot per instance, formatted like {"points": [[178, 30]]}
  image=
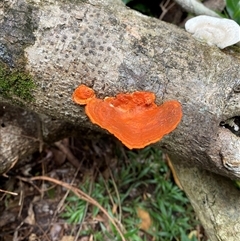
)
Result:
{"points": [[83, 94], [133, 118]]}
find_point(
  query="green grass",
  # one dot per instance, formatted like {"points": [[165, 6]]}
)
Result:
{"points": [[143, 181], [233, 9]]}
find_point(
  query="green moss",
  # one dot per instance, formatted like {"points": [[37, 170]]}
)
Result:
{"points": [[15, 83]]}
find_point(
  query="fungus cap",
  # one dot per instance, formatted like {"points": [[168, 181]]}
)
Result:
{"points": [[214, 31], [134, 118], [135, 125], [83, 94]]}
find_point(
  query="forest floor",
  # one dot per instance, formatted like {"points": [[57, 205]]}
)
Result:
{"points": [[78, 189]]}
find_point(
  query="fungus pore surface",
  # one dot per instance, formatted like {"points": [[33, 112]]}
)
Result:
{"points": [[133, 118]]}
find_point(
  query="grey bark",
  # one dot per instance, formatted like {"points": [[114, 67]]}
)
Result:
{"points": [[23, 132], [113, 49], [215, 200]]}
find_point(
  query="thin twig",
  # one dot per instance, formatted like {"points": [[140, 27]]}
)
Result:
{"points": [[85, 212], [165, 8], [197, 8], [71, 158], [60, 204], [20, 202], [79, 194], [118, 196], [8, 192]]}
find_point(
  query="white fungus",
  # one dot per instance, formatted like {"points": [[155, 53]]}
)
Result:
{"points": [[214, 31]]}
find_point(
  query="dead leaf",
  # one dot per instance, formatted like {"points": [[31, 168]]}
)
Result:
{"points": [[33, 237], [145, 219], [30, 219], [85, 238], [55, 231], [175, 177], [67, 238], [192, 234], [114, 208]]}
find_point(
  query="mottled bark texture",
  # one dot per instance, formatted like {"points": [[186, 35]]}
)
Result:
{"points": [[23, 132], [215, 200], [49, 47]]}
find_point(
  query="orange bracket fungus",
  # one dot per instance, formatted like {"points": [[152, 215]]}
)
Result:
{"points": [[83, 94], [133, 118]]}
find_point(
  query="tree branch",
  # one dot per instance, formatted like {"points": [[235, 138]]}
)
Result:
{"points": [[196, 7], [47, 48], [114, 49], [208, 193]]}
